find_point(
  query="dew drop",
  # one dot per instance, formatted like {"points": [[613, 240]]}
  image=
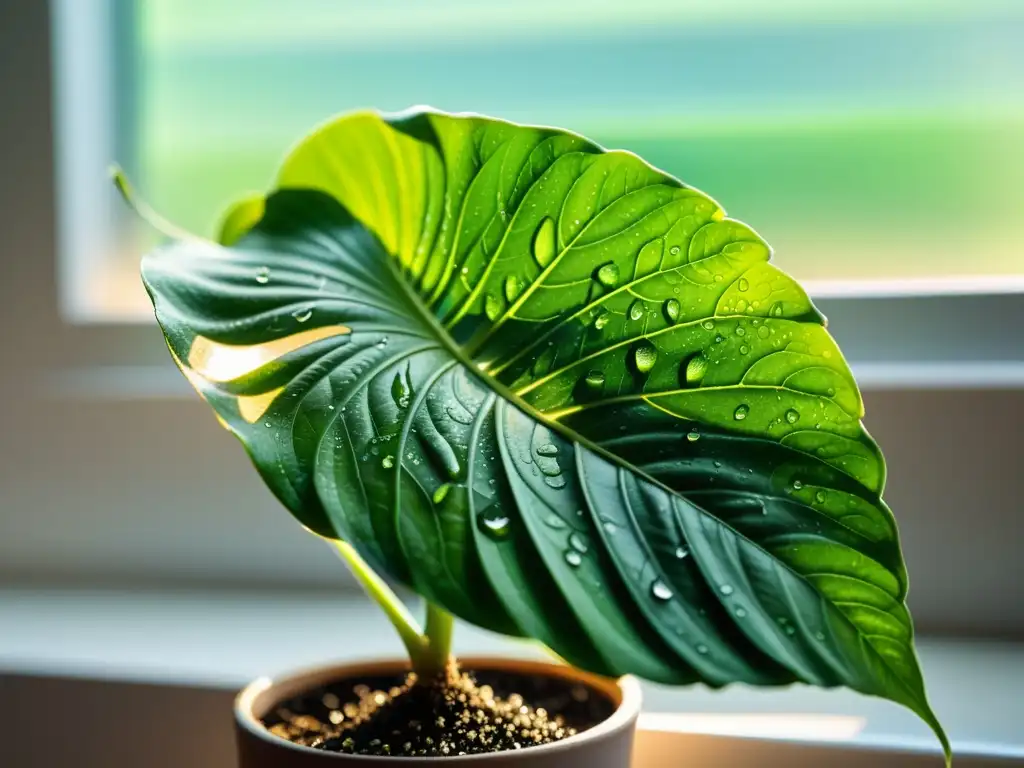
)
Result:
{"points": [[744, 349], [609, 527], [740, 613], [594, 382], [388, 461], [672, 310], [743, 284], [741, 331], [493, 522], [708, 325], [820, 497], [790, 630], [577, 542], [555, 482], [702, 649], [693, 436], [819, 635], [674, 250], [636, 310], [681, 553], [303, 314], [776, 309], [645, 355], [263, 275], [741, 412], [548, 449], [544, 242], [792, 416], [573, 558], [661, 591], [492, 306], [267, 424], [608, 274], [602, 320], [511, 287], [554, 521], [725, 589], [398, 392], [441, 492], [696, 368], [797, 484]]}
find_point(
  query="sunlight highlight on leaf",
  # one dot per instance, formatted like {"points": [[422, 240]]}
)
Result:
{"points": [[223, 362]]}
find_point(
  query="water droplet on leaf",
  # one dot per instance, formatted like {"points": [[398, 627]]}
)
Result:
{"points": [[645, 355], [636, 310], [725, 589], [608, 274], [820, 497], [492, 306], [548, 449], [577, 542], [741, 412], [303, 314], [681, 552], [792, 416], [696, 367], [672, 310], [441, 492], [661, 591], [693, 436], [494, 522], [708, 325], [511, 287], [388, 461], [601, 320], [594, 382], [263, 275], [743, 284], [544, 242], [573, 558]]}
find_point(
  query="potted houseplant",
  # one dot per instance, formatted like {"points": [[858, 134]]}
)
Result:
{"points": [[558, 394]]}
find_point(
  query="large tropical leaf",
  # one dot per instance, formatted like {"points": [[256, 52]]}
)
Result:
{"points": [[557, 392]]}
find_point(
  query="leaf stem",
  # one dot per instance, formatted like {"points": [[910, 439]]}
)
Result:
{"points": [[440, 625], [428, 650], [407, 627], [142, 209]]}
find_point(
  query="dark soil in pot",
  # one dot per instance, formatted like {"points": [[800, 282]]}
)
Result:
{"points": [[465, 713]]}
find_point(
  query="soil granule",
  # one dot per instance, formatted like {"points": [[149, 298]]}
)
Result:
{"points": [[457, 714]]}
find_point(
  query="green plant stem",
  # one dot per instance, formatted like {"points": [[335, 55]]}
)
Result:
{"points": [[407, 627], [428, 650], [440, 625]]}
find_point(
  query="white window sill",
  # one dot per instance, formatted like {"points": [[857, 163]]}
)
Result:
{"points": [[224, 639]]}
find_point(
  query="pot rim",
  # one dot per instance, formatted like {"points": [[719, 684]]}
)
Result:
{"points": [[624, 692]]}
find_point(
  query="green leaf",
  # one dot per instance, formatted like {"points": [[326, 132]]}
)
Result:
{"points": [[558, 393]]}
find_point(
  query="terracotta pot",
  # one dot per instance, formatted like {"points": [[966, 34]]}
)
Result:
{"points": [[607, 745]]}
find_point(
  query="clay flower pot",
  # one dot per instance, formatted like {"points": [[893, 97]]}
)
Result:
{"points": [[607, 744]]}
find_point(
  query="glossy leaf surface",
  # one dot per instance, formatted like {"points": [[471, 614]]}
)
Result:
{"points": [[557, 392]]}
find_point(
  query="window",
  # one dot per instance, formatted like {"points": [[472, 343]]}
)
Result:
{"points": [[876, 145]]}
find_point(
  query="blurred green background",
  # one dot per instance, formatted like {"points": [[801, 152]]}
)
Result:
{"points": [[864, 140]]}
